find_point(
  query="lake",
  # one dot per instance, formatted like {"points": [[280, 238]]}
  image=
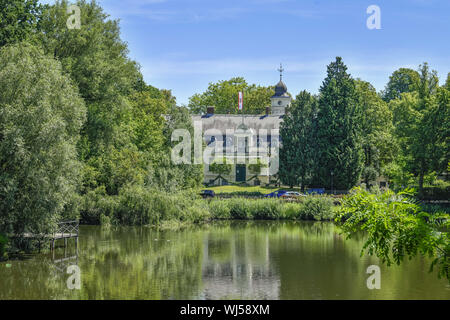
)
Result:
{"points": [[221, 260]]}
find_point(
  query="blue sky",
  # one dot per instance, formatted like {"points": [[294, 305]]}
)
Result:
{"points": [[183, 45]]}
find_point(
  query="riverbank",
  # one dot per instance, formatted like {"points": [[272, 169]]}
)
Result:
{"points": [[140, 206]]}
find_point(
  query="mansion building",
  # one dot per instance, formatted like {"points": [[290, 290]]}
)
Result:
{"points": [[244, 140]]}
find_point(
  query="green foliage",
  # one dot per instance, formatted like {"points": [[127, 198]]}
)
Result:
{"points": [[120, 122], [240, 208], [298, 151], [422, 127], [311, 208], [220, 209], [97, 204], [401, 81], [378, 142], [96, 59], [338, 130], [397, 227], [255, 168], [221, 167], [137, 205], [126, 139], [317, 208], [39, 129], [165, 174], [223, 95], [18, 20]]}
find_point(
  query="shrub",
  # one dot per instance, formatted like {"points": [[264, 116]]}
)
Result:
{"points": [[240, 208], [267, 209], [317, 208], [219, 209], [97, 203], [105, 221], [199, 212], [291, 210], [143, 206]]}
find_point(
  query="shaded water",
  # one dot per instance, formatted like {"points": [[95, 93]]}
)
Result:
{"points": [[228, 260]]}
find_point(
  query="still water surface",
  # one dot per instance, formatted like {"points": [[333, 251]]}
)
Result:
{"points": [[228, 260]]}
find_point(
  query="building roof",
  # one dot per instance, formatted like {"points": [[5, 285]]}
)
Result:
{"points": [[280, 90]]}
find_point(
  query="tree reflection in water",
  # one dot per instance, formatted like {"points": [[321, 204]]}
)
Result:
{"points": [[223, 260]]}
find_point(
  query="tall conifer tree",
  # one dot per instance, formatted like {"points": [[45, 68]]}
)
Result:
{"points": [[297, 133], [339, 162]]}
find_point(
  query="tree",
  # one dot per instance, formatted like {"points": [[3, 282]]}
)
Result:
{"points": [[123, 136], [18, 20], [41, 114], [164, 174], [297, 132], [96, 59], [340, 157], [224, 96], [378, 141], [401, 81], [421, 125]]}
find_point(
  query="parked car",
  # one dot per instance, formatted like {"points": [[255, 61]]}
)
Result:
{"points": [[291, 194], [207, 194], [275, 194], [316, 191]]}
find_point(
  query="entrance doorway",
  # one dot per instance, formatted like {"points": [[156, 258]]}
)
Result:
{"points": [[241, 172]]}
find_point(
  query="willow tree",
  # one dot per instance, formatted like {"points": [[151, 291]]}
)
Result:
{"points": [[41, 114]]}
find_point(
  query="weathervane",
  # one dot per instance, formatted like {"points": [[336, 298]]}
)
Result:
{"points": [[281, 71]]}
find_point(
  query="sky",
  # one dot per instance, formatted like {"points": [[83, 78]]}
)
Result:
{"points": [[183, 45]]}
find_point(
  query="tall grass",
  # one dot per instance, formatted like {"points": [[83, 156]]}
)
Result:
{"points": [[143, 206], [136, 205], [312, 208]]}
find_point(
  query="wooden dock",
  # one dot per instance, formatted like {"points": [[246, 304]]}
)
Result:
{"points": [[64, 231]]}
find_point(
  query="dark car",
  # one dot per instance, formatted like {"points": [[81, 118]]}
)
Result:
{"points": [[207, 194], [275, 194]]}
